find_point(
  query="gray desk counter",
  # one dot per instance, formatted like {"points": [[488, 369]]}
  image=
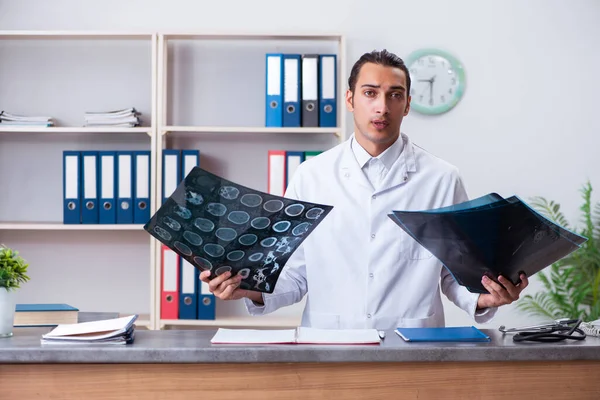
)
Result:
{"points": [[182, 364], [193, 346]]}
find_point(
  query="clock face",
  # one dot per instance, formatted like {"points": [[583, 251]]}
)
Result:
{"points": [[437, 81]]}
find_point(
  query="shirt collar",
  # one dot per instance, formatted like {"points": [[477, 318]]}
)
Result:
{"points": [[388, 157]]}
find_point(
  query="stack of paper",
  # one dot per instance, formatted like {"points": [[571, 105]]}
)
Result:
{"points": [[127, 117], [110, 331], [300, 335], [489, 236], [7, 119]]}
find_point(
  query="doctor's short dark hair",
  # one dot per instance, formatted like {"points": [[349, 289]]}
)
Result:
{"points": [[382, 57]]}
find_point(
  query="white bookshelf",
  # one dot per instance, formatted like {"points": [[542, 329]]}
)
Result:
{"points": [[35, 239], [234, 62], [229, 137]]}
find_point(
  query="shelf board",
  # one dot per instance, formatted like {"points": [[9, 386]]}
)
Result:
{"points": [[252, 36], [73, 129], [23, 34], [248, 322], [59, 226], [242, 129], [142, 323]]}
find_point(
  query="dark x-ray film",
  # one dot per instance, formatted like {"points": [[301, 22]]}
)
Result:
{"points": [[221, 226], [492, 237]]}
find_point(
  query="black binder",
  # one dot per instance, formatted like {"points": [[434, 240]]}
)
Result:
{"points": [[489, 236]]}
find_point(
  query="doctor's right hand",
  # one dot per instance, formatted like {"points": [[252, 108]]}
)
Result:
{"points": [[226, 287]]}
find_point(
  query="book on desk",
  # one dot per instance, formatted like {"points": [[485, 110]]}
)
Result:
{"points": [[300, 335], [45, 314], [443, 334]]}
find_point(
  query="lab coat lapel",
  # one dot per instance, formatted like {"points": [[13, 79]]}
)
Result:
{"points": [[350, 171], [406, 163]]}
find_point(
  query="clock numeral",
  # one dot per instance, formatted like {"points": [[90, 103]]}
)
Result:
{"points": [[430, 102], [454, 81], [432, 60], [421, 98], [413, 70], [443, 98], [450, 91], [412, 92], [421, 61]]}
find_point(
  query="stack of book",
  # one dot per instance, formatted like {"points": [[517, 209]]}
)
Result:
{"points": [[20, 120], [45, 314], [127, 117], [110, 331]]}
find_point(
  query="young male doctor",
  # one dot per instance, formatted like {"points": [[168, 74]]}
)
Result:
{"points": [[358, 269]]}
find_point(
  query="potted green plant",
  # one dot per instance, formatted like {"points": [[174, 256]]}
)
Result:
{"points": [[572, 285], [13, 272]]}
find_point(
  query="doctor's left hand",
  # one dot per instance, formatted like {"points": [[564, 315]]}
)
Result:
{"points": [[501, 294]]}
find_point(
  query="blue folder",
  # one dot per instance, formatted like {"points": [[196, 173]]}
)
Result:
{"points": [[447, 334]]}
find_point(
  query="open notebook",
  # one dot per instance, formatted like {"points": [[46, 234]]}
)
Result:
{"points": [[300, 335]]}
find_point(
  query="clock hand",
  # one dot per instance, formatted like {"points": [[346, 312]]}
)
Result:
{"points": [[431, 91], [431, 88]]}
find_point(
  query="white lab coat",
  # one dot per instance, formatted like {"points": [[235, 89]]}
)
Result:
{"points": [[358, 268]]}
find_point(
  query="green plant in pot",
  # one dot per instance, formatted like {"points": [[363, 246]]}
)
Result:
{"points": [[13, 273], [572, 285]]}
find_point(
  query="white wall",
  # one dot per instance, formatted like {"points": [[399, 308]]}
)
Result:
{"points": [[527, 124]]}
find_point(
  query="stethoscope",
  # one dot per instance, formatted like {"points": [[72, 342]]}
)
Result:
{"points": [[557, 331]]}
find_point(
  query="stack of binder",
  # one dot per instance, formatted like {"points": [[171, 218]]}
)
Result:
{"points": [[282, 165], [183, 295], [301, 90], [106, 187], [127, 117], [490, 236], [8, 119]]}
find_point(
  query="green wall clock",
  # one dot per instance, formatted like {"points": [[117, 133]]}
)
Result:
{"points": [[437, 81]]}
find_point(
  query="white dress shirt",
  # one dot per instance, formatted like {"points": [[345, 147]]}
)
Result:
{"points": [[376, 168], [357, 268]]}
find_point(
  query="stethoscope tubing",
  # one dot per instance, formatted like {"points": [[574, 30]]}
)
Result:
{"points": [[550, 335]]}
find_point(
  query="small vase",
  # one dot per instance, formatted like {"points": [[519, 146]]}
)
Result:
{"points": [[7, 312]]}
